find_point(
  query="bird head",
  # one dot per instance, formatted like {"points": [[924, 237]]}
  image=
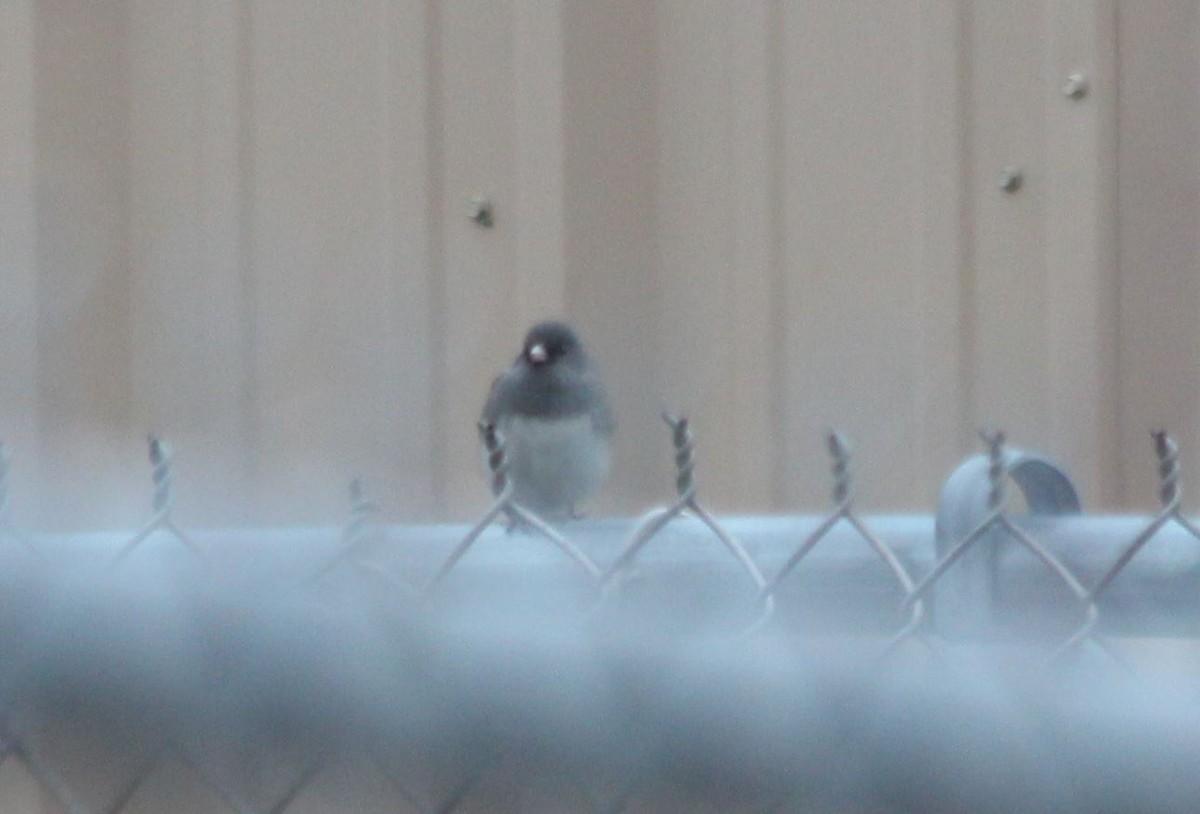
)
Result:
{"points": [[550, 342]]}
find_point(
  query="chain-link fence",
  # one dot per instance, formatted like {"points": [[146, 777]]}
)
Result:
{"points": [[976, 660]]}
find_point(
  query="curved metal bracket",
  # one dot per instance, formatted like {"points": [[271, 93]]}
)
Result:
{"points": [[964, 597]]}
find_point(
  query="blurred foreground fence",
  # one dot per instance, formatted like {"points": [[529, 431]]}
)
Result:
{"points": [[977, 660]]}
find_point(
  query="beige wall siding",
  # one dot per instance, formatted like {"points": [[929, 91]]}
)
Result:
{"points": [[19, 395], [855, 312], [613, 279], [242, 223], [1159, 243]]}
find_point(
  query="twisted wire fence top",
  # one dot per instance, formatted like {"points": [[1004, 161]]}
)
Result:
{"points": [[685, 464], [914, 589], [496, 460], [1167, 453], [1168, 468], [160, 461], [839, 450], [997, 472]]}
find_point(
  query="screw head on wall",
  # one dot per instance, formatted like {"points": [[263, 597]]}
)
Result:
{"points": [[1011, 179], [1075, 86], [480, 211]]}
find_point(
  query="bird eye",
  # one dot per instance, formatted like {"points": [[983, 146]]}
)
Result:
{"points": [[537, 353]]}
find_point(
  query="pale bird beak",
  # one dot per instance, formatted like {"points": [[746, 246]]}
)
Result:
{"points": [[538, 354]]}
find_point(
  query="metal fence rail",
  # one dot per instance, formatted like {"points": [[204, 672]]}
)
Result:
{"points": [[972, 660]]}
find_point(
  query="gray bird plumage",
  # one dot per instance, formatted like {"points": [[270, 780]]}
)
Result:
{"points": [[551, 409]]}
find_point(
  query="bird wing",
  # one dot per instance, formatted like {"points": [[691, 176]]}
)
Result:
{"points": [[603, 420]]}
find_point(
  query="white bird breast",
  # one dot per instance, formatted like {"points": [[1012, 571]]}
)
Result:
{"points": [[554, 463]]}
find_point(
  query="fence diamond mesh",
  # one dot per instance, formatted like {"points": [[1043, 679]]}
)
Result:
{"points": [[974, 660]]}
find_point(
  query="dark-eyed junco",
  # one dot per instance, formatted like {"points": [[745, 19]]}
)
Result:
{"points": [[550, 408]]}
